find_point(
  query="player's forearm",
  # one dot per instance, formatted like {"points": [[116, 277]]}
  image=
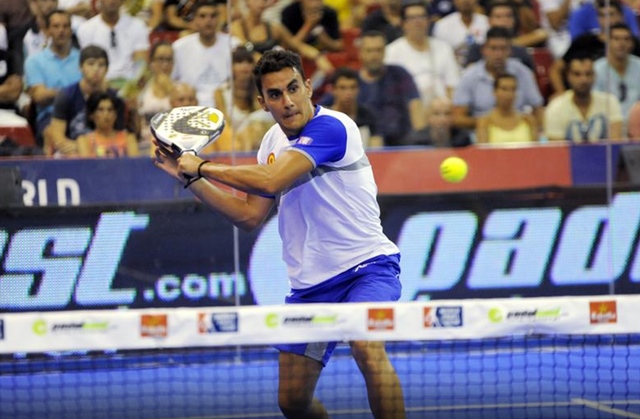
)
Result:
{"points": [[254, 179], [233, 208]]}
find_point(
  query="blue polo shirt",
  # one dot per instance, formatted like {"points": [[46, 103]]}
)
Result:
{"points": [[53, 72], [475, 89]]}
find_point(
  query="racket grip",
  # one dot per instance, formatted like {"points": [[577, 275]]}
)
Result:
{"points": [[189, 178]]}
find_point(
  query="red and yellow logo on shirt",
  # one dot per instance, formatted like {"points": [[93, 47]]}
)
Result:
{"points": [[271, 159]]}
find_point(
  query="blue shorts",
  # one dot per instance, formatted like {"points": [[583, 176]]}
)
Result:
{"points": [[375, 279]]}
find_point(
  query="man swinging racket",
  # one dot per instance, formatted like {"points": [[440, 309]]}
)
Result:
{"points": [[312, 165]]}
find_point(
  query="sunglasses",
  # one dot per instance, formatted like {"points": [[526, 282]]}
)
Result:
{"points": [[114, 40], [623, 91]]}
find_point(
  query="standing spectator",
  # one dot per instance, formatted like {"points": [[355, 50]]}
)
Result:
{"points": [[474, 95], [504, 124], [390, 90], [430, 61], [502, 13], [203, 59], [125, 38], [10, 84], [50, 70], [462, 28], [617, 73], [104, 139], [585, 19], [580, 114], [385, 19], [344, 86], [69, 107], [313, 23], [439, 131]]}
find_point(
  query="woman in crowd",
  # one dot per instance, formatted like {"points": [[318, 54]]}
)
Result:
{"points": [[104, 140], [504, 124]]}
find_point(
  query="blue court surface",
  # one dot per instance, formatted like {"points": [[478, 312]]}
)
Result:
{"points": [[521, 381]]}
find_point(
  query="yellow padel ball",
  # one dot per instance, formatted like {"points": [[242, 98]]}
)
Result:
{"points": [[453, 169]]}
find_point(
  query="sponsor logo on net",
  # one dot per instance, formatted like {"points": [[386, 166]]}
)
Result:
{"points": [[273, 320], [442, 316], [41, 327], [154, 325], [603, 312], [217, 323], [380, 319], [534, 315]]}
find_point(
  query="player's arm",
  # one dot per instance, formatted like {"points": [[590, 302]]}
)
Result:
{"points": [[267, 179]]}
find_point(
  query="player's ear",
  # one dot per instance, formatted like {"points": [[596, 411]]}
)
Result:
{"points": [[262, 105], [307, 84]]}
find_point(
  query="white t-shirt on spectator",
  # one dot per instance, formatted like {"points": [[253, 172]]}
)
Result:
{"points": [[130, 35], [454, 32], [204, 68], [433, 70]]}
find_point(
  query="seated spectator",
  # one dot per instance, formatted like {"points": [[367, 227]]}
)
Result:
{"points": [[474, 95], [581, 114], [591, 44], [68, 121], [344, 86], [125, 38], [35, 40], [104, 139], [439, 131], [617, 73], [588, 18], [313, 23], [430, 61], [153, 90], [203, 59], [239, 102], [502, 13], [52, 69], [504, 124], [390, 90], [182, 94], [10, 84], [462, 28], [259, 36], [385, 19]]}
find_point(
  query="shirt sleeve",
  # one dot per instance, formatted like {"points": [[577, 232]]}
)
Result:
{"points": [[323, 140]]}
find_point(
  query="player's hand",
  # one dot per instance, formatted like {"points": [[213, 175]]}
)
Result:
{"points": [[166, 159], [188, 166]]}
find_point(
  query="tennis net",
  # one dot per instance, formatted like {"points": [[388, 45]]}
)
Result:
{"points": [[561, 357]]}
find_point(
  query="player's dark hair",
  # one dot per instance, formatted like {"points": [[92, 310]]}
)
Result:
{"points": [[273, 61], [47, 18], [93, 51], [412, 3], [344, 73], [503, 76], [93, 101]]}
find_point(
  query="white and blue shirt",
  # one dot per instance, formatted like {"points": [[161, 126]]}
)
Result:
{"points": [[329, 219]]}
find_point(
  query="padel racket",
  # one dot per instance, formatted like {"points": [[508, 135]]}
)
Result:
{"points": [[187, 129]]}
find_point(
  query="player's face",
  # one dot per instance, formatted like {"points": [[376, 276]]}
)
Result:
{"points": [[372, 53], [104, 117], [581, 77], [345, 91], [288, 98], [94, 70], [59, 30]]}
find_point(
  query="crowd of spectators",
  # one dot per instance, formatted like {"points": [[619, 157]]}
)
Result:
{"points": [[440, 73]]}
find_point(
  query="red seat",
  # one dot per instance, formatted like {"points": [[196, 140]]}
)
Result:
{"points": [[21, 135], [543, 59], [157, 36]]}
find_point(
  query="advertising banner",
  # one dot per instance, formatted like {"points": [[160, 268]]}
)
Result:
{"points": [[526, 243]]}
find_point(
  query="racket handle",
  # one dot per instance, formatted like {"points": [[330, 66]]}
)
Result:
{"points": [[189, 177]]}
